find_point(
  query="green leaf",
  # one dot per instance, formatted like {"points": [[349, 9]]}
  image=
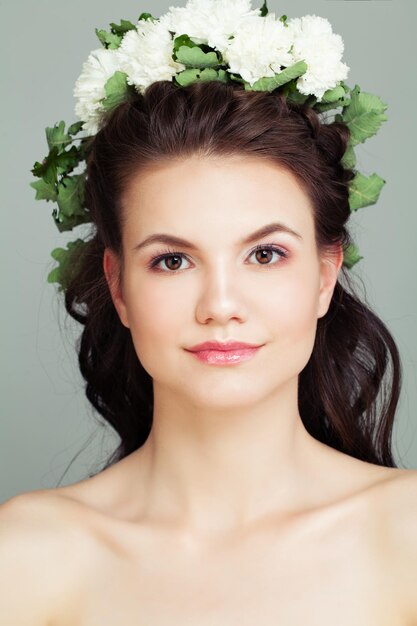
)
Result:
{"points": [[351, 256], [332, 95], [146, 16], [222, 76], [71, 210], [47, 170], [364, 115], [69, 223], [292, 94], [186, 77], [68, 262], [264, 9], [75, 128], [44, 191], [122, 28], [283, 19], [71, 195], [349, 158], [182, 40], [116, 89], [59, 159], [208, 74], [110, 41], [320, 107], [191, 75], [66, 161], [270, 83], [364, 190], [57, 137], [333, 98], [57, 163], [236, 77], [195, 57]]}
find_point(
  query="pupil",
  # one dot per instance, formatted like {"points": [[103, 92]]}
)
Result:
{"points": [[174, 257], [263, 252]]}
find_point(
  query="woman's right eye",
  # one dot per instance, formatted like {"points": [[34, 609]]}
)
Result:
{"points": [[172, 267]]}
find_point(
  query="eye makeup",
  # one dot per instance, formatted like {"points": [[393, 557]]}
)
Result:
{"points": [[161, 255]]}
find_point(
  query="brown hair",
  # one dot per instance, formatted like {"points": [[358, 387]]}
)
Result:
{"points": [[349, 389]]}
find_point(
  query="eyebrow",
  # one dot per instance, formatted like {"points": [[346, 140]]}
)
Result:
{"points": [[274, 227]]}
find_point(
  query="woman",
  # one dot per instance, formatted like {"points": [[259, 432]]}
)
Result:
{"points": [[253, 484]]}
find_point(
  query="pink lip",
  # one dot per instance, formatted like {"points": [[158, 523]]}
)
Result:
{"points": [[218, 346], [229, 353]]}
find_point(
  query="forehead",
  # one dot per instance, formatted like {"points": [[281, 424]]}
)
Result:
{"points": [[233, 194]]}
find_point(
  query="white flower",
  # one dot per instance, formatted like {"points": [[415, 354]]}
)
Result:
{"points": [[322, 50], [145, 54], [252, 46], [260, 48], [89, 87], [209, 21]]}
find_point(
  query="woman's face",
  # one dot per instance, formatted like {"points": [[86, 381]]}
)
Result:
{"points": [[219, 287]]}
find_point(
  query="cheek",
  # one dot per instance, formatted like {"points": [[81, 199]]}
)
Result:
{"points": [[292, 317], [293, 299], [156, 318]]}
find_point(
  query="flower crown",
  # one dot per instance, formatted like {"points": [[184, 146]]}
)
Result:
{"points": [[205, 40]]}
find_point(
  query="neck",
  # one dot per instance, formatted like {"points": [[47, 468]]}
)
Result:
{"points": [[219, 469]]}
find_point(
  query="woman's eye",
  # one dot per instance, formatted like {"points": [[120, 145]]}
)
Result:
{"points": [[264, 254], [173, 261]]}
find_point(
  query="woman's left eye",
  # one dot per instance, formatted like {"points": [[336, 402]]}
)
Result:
{"points": [[269, 249], [266, 249]]}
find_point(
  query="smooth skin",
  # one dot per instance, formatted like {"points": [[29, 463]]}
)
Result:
{"points": [[230, 513], [229, 434]]}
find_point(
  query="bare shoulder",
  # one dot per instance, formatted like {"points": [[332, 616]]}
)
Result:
{"points": [[398, 505], [44, 515], [38, 578], [395, 505], [401, 499]]}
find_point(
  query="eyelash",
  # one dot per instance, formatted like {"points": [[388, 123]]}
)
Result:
{"points": [[169, 253]]}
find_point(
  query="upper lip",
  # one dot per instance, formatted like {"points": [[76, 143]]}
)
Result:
{"points": [[224, 346]]}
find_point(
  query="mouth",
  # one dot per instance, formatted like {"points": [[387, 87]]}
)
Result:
{"points": [[223, 346], [225, 357]]}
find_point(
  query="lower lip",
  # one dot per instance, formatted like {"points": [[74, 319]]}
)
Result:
{"points": [[225, 357]]}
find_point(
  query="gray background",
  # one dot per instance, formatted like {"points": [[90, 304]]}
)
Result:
{"points": [[45, 417]]}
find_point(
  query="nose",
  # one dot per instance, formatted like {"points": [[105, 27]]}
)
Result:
{"points": [[221, 297]]}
